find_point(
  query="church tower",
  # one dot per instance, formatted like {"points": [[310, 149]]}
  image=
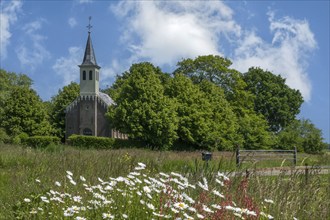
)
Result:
{"points": [[89, 71], [89, 90]]}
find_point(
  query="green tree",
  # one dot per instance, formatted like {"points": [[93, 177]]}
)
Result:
{"points": [[252, 132], [273, 98], [9, 80], [142, 110], [205, 117], [216, 69], [65, 96], [253, 129], [301, 134], [24, 112]]}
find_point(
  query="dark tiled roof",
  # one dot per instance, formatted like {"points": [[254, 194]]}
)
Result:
{"points": [[106, 98], [89, 57]]}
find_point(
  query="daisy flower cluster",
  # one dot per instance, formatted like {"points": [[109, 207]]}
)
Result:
{"points": [[137, 196]]}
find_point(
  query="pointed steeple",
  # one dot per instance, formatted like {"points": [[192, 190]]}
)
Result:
{"points": [[89, 57], [89, 70]]}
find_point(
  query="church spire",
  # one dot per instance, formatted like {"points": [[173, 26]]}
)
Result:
{"points": [[89, 57]]}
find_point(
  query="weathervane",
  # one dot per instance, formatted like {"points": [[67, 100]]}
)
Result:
{"points": [[89, 26]]}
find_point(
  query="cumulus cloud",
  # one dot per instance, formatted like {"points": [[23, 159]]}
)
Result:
{"points": [[8, 16], [72, 22], [32, 52], [67, 67], [84, 1], [110, 71], [286, 55], [163, 32]]}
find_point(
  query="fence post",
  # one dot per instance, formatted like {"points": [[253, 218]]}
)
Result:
{"points": [[237, 156], [306, 173], [295, 156]]}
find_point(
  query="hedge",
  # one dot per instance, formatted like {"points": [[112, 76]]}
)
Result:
{"points": [[91, 142], [40, 141], [128, 143]]}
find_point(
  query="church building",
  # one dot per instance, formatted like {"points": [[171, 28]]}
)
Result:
{"points": [[86, 114]]}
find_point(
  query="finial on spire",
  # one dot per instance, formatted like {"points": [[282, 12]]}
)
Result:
{"points": [[89, 26]]}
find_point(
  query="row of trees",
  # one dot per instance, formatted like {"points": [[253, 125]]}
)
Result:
{"points": [[206, 104], [23, 113], [203, 104]]}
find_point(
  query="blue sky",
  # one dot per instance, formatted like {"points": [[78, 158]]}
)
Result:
{"points": [[46, 40]]}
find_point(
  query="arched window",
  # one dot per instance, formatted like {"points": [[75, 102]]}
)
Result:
{"points": [[84, 75], [90, 75], [87, 131]]}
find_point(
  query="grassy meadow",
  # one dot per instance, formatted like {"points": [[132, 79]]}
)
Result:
{"points": [[62, 182]]}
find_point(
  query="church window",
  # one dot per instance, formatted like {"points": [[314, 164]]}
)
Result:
{"points": [[90, 75], [97, 76], [84, 75], [87, 131]]}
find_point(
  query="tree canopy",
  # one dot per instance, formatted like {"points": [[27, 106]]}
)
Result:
{"points": [[205, 118], [58, 104], [252, 129], [142, 110], [23, 112], [203, 104], [276, 101], [216, 69], [301, 134]]}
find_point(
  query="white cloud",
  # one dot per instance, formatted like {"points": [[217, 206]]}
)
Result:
{"points": [[32, 52], [285, 55], [164, 32], [67, 67], [8, 16], [72, 22], [84, 1], [109, 72]]}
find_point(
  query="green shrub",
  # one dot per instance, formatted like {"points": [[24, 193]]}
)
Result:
{"points": [[128, 143], [91, 142], [19, 139], [41, 141], [4, 138]]}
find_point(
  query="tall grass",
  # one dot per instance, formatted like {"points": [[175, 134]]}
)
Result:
{"points": [[21, 169]]}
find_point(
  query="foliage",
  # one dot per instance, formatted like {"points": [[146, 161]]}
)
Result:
{"points": [[216, 69], [41, 141], [8, 81], [91, 142], [128, 143], [20, 138], [65, 96], [251, 130], [273, 98], [254, 131], [205, 118], [4, 137], [23, 112], [302, 134], [142, 110]]}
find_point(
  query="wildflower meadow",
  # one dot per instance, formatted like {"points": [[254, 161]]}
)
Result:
{"points": [[114, 184]]}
